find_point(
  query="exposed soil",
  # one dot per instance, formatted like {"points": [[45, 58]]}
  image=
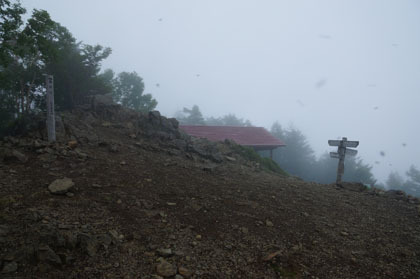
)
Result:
{"points": [[145, 206]]}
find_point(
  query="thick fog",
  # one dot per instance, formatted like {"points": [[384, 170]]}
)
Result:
{"points": [[330, 68]]}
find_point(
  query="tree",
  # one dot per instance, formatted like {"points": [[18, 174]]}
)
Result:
{"points": [[414, 174], [128, 91], [11, 21], [228, 120], [357, 171], [297, 157], [394, 181], [42, 46], [325, 169], [191, 116], [412, 185]]}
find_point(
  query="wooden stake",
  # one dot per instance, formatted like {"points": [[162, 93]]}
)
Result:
{"points": [[50, 108]]}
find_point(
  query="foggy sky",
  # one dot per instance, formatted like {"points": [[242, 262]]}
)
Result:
{"points": [[330, 68]]}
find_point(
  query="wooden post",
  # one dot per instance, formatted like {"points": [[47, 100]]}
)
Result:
{"points": [[342, 150], [271, 154], [50, 108]]}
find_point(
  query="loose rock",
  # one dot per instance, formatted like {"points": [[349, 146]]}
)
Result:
{"points": [[9, 267], [165, 269], [184, 272], [61, 186]]}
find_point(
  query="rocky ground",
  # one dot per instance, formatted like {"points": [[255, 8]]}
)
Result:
{"points": [[127, 195]]}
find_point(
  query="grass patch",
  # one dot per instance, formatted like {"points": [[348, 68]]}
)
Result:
{"points": [[283, 272], [265, 163]]}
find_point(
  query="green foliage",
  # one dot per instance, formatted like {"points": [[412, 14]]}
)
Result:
{"points": [[283, 272], [394, 181], [194, 116], [42, 46], [128, 91], [297, 157], [228, 120], [265, 163], [11, 21], [191, 116], [411, 186], [39, 46], [414, 174], [357, 171]]}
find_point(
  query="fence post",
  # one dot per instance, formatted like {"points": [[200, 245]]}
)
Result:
{"points": [[50, 108]]}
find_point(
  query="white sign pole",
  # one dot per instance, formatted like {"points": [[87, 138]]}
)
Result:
{"points": [[50, 108]]}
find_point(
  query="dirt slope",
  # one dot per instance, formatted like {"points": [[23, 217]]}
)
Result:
{"points": [[149, 202]]}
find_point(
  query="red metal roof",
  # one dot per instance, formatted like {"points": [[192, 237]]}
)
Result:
{"points": [[249, 136]]}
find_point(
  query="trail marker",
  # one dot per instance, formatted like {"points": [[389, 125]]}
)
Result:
{"points": [[341, 153], [49, 84]]}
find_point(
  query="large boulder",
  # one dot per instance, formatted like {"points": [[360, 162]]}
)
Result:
{"points": [[102, 100]]}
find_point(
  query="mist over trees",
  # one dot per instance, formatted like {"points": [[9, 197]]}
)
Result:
{"points": [[31, 48], [411, 185], [298, 158], [194, 116], [39, 46]]}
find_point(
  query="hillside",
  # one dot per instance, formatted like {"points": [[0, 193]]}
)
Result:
{"points": [[150, 202]]}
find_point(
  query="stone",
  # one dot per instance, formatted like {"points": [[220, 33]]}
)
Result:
{"points": [[12, 154], [64, 226], [81, 154], [113, 148], [114, 234], [61, 186], [179, 276], [72, 144], [165, 269], [102, 100], [46, 254], [4, 230], [70, 239], [20, 156], [230, 159], [184, 272], [268, 223], [104, 239], [271, 256], [165, 252], [9, 267], [88, 244], [343, 233]]}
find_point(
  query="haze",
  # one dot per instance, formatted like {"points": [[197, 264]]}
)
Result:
{"points": [[330, 68]]}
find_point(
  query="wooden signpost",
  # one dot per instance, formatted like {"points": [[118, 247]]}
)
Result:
{"points": [[49, 82], [341, 153]]}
